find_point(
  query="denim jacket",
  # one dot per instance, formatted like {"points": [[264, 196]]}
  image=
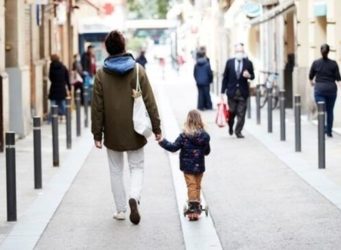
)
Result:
{"points": [[193, 149]]}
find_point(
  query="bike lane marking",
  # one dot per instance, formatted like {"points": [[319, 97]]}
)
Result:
{"points": [[200, 234]]}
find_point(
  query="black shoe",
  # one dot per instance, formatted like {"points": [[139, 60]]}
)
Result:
{"points": [[330, 135], [134, 212], [230, 129], [194, 207], [240, 136]]}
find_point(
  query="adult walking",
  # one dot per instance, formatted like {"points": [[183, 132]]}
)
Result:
{"points": [[323, 75], [203, 77], [76, 76], [141, 59], [60, 84], [88, 61], [238, 71], [112, 112]]}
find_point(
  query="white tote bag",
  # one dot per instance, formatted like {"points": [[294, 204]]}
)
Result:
{"points": [[141, 119]]}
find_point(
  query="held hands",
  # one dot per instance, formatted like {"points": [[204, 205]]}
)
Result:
{"points": [[98, 144], [246, 74], [158, 137]]}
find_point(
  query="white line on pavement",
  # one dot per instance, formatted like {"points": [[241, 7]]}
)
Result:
{"points": [[29, 228], [200, 234]]}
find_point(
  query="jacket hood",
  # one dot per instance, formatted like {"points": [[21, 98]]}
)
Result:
{"points": [[119, 64], [202, 61], [201, 138]]}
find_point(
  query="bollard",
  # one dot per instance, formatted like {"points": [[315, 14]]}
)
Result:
{"points": [[68, 124], [37, 152], [321, 135], [249, 107], [55, 142], [11, 177], [282, 114], [297, 101], [269, 110], [86, 106], [258, 104], [78, 112]]}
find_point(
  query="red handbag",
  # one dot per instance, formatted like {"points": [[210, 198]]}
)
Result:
{"points": [[223, 115]]}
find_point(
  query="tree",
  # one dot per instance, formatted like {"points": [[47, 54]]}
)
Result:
{"points": [[146, 9], [163, 7]]}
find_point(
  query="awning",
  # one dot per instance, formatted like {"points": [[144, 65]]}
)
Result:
{"points": [[274, 12]]}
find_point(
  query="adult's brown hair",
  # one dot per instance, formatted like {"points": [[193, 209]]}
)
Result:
{"points": [[115, 43], [55, 58]]}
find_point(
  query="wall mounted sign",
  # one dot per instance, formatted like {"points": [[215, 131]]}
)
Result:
{"points": [[320, 9]]}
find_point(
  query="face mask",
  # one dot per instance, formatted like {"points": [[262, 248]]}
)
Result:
{"points": [[239, 55]]}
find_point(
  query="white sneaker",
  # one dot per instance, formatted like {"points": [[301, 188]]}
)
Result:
{"points": [[120, 216]]}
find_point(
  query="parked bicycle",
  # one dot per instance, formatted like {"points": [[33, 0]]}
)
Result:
{"points": [[270, 83]]}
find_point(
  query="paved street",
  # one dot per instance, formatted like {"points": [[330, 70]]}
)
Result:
{"points": [[256, 199], [257, 193]]}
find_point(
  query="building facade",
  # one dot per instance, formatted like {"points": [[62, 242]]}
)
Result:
{"points": [[285, 37], [30, 31]]}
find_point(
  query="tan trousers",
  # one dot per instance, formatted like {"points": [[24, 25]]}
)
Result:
{"points": [[193, 182]]}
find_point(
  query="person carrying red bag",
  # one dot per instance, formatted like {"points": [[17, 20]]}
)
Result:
{"points": [[238, 71]]}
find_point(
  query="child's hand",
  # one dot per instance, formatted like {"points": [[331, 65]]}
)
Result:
{"points": [[158, 137]]}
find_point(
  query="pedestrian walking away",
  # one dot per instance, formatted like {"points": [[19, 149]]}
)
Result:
{"points": [[88, 61], [194, 144], [324, 73], [141, 59], [60, 85], [203, 77], [77, 76], [112, 113], [238, 71]]}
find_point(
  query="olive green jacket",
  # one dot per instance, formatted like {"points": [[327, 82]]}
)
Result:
{"points": [[112, 109]]}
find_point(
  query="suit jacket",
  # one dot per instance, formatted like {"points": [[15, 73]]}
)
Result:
{"points": [[230, 81]]}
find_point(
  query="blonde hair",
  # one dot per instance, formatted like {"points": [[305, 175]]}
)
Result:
{"points": [[193, 123]]}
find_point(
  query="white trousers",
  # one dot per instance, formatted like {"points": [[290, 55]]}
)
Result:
{"points": [[136, 167]]}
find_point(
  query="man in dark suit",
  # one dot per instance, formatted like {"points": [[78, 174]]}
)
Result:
{"points": [[238, 71]]}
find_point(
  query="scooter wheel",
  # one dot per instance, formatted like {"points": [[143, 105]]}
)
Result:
{"points": [[206, 210]]}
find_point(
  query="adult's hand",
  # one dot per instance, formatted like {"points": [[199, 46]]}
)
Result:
{"points": [[246, 74], [98, 144]]}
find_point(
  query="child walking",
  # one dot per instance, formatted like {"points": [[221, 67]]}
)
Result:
{"points": [[194, 143]]}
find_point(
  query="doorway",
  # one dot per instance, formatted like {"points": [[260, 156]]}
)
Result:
{"points": [[289, 57], [1, 119]]}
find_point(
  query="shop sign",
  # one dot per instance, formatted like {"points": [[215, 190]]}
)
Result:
{"points": [[320, 9], [61, 13], [252, 9], [268, 2], [41, 2]]}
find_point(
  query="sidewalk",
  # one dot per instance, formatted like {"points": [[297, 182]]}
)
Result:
{"points": [[258, 195], [26, 194], [309, 141], [255, 199]]}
